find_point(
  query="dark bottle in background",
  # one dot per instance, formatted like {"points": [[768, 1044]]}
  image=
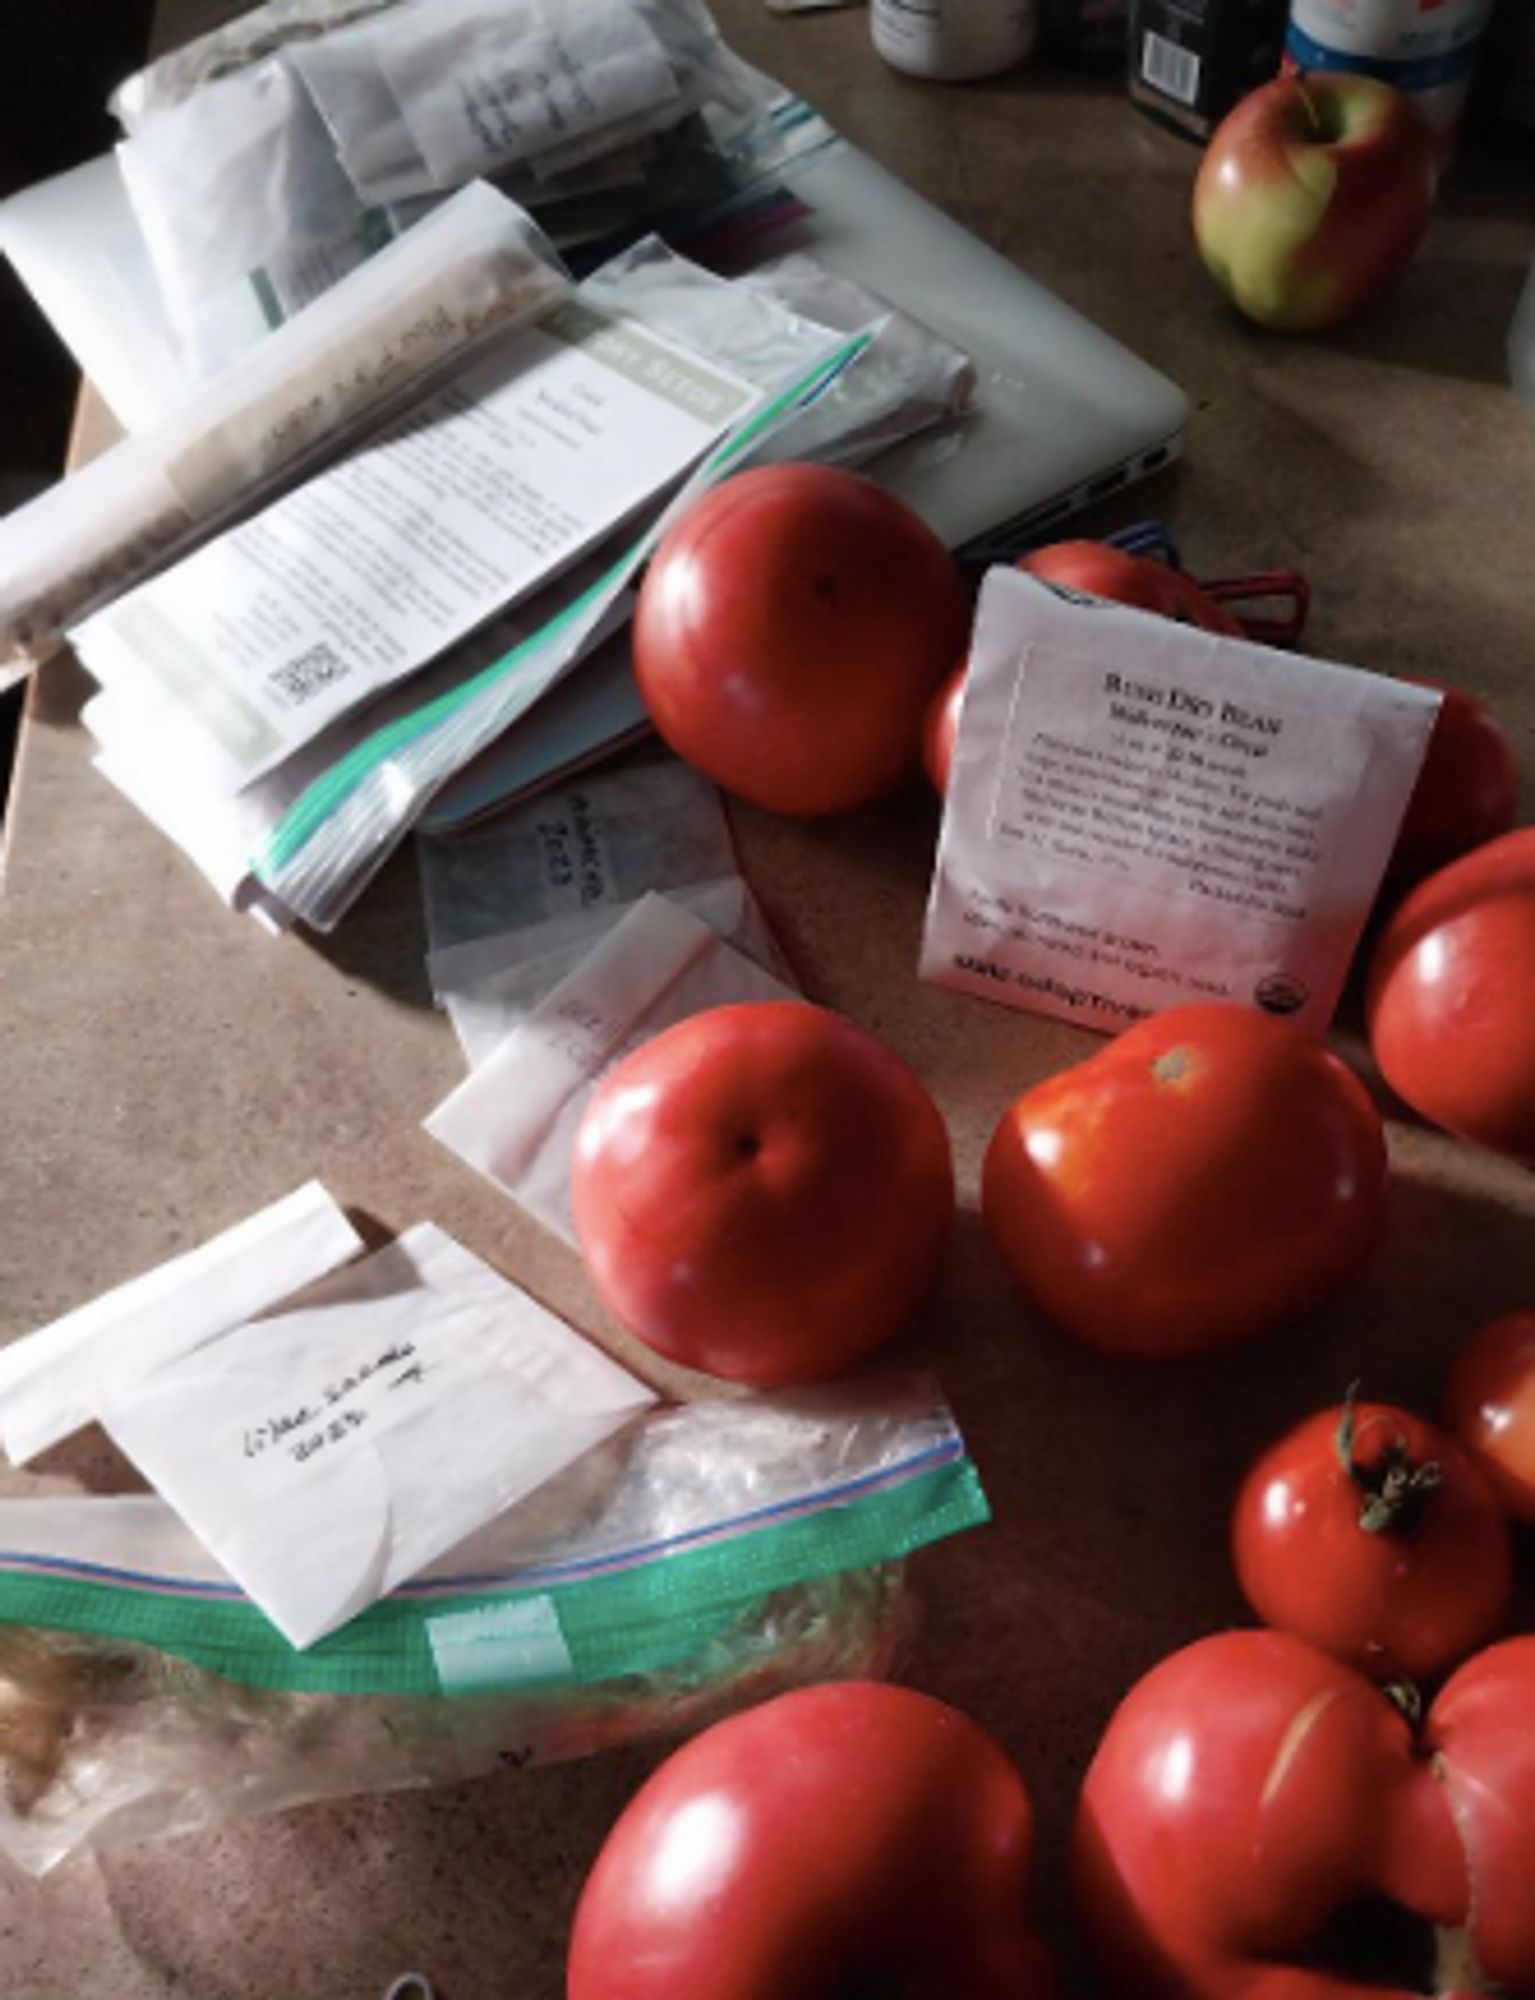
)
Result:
{"points": [[1191, 60], [1089, 30]]}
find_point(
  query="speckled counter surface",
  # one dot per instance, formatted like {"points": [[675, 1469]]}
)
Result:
{"points": [[167, 1069]]}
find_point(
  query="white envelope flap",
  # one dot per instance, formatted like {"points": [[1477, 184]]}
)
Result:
{"points": [[331, 1453], [52, 1381]]}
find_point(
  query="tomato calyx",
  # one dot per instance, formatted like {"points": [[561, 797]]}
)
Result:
{"points": [[1394, 1488], [1407, 1699]]}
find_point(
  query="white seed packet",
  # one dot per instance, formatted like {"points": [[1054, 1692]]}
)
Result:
{"points": [[515, 1117], [484, 88], [1141, 814], [514, 904], [374, 144], [52, 1381], [573, 850], [327, 1455], [245, 210], [489, 993]]}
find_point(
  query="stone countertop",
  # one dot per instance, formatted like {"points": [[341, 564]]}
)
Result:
{"points": [[168, 1069]]}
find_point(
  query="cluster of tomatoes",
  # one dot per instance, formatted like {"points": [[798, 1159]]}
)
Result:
{"points": [[765, 1192], [1259, 1783], [1248, 1794]]}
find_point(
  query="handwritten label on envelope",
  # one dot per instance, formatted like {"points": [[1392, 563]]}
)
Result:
{"points": [[330, 1453]]}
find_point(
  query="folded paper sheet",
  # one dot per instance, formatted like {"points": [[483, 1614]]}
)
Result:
{"points": [[515, 1118], [251, 647], [52, 1382], [321, 819], [330, 1453], [1141, 814], [474, 267]]}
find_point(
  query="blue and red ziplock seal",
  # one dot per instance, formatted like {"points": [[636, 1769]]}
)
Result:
{"points": [[625, 1611]]}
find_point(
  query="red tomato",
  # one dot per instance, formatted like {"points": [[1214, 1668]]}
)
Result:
{"points": [[763, 1192], [1203, 1178], [1467, 792], [1479, 1743], [1250, 1790], [789, 633], [1490, 1406], [940, 726], [1371, 1534], [852, 1839], [1105, 571], [1448, 1002]]}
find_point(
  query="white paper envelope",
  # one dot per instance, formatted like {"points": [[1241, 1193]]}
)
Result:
{"points": [[575, 850], [327, 1455], [515, 1117], [1141, 814], [52, 1381], [499, 981]]}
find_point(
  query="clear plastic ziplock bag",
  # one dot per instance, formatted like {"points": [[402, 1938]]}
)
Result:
{"points": [[335, 837], [487, 86], [245, 211], [707, 1557], [250, 38], [310, 147], [910, 380]]}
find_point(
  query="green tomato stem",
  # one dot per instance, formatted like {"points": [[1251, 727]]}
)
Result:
{"points": [[1392, 1490]]}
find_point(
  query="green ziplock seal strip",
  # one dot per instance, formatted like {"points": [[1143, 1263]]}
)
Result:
{"points": [[328, 793], [637, 1621]]}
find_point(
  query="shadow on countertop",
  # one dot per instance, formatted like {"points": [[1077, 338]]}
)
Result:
{"points": [[59, 61]]}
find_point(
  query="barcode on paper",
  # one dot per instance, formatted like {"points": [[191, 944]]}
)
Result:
{"points": [[1167, 67], [301, 679]]}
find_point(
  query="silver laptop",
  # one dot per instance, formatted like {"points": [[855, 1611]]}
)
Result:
{"points": [[1062, 414]]}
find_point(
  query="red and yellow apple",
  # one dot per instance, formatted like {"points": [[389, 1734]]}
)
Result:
{"points": [[1312, 192]]}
